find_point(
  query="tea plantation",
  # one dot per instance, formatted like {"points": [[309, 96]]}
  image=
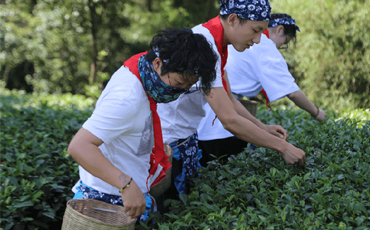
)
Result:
{"points": [[36, 171], [258, 190], [253, 190]]}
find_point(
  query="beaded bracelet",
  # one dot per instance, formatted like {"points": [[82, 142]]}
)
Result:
{"points": [[126, 186]]}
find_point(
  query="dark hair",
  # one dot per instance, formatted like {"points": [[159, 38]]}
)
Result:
{"points": [[186, 53], [289, 30], [241, 20]]}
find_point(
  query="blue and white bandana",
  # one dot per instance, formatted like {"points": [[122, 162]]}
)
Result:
{"points": [[283, 21], [156, 51], [255, 10], [154, 86]]}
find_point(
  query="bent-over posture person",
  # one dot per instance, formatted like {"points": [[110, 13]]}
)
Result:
{"points": [[114, 147], [260, 67], [240, 23]]}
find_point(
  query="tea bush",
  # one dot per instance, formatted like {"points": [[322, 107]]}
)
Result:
{"points": [[256, 189], [36, 172]]}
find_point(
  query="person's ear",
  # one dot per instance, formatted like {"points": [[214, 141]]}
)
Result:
{"points": [[280, 30], [233, 19], [157, 64]]}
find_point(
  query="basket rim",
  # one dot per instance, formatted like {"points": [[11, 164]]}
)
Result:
{"points": [[69, 207]]}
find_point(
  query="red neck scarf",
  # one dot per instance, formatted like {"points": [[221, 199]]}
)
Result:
{"points": [[217, 30], [158, 156], [266, 32]]}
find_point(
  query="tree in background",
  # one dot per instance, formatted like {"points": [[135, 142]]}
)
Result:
{"points": [[72, 46], [59, 39]]}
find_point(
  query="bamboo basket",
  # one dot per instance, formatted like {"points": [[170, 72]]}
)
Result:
{"points": [[250, 105], [95, 215], [162, 186]]}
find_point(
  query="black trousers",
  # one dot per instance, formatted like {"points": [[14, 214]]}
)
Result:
{"points": [[220, 147]]}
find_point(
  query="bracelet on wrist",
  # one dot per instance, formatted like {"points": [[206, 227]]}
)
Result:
{"points": [[126, 186], [318, 111]]}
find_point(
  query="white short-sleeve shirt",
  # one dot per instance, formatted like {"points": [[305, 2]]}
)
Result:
{"points": [[180, 118], [122, 119], [260, 67]]}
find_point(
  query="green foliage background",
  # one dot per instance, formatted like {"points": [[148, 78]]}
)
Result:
{"points": [[36, 172], [69, 47], [254, 190], [331, 61], [72, 46]]}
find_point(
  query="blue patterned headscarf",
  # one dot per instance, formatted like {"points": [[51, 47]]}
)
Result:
{"points": [[255, 10], [283, 21]]}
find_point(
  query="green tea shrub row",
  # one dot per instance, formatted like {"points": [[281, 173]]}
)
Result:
{"points": [[256, 189], [35, 170]]}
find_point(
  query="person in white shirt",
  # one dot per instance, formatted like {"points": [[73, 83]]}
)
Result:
{"points": [[120, 147], [241, 23], [260, 67]]}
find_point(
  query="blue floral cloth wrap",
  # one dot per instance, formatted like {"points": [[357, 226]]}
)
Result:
{"points": [[188, 153], [86, 192]]}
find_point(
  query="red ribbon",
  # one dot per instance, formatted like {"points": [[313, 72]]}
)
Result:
{"points": [[266, 32], [217, 30], [158, 155]]}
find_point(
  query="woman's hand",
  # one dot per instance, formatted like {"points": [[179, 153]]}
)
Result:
{"points": [[133, 200]]}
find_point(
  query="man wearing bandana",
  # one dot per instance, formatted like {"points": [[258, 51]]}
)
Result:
{"points": [[241, 23], [260, 67], [114, 147]]}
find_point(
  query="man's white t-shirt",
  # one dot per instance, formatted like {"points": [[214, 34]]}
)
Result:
{"points": [[260, 67], [180, 118], [122, 119]]}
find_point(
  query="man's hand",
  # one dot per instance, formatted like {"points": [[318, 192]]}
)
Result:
{"points": [[277, 130], [293, 155], [133, 200]]}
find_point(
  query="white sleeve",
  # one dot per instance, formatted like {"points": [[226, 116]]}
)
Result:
{"points": [[242, 71], [115, 109], [199, 29], [275, 77]]}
